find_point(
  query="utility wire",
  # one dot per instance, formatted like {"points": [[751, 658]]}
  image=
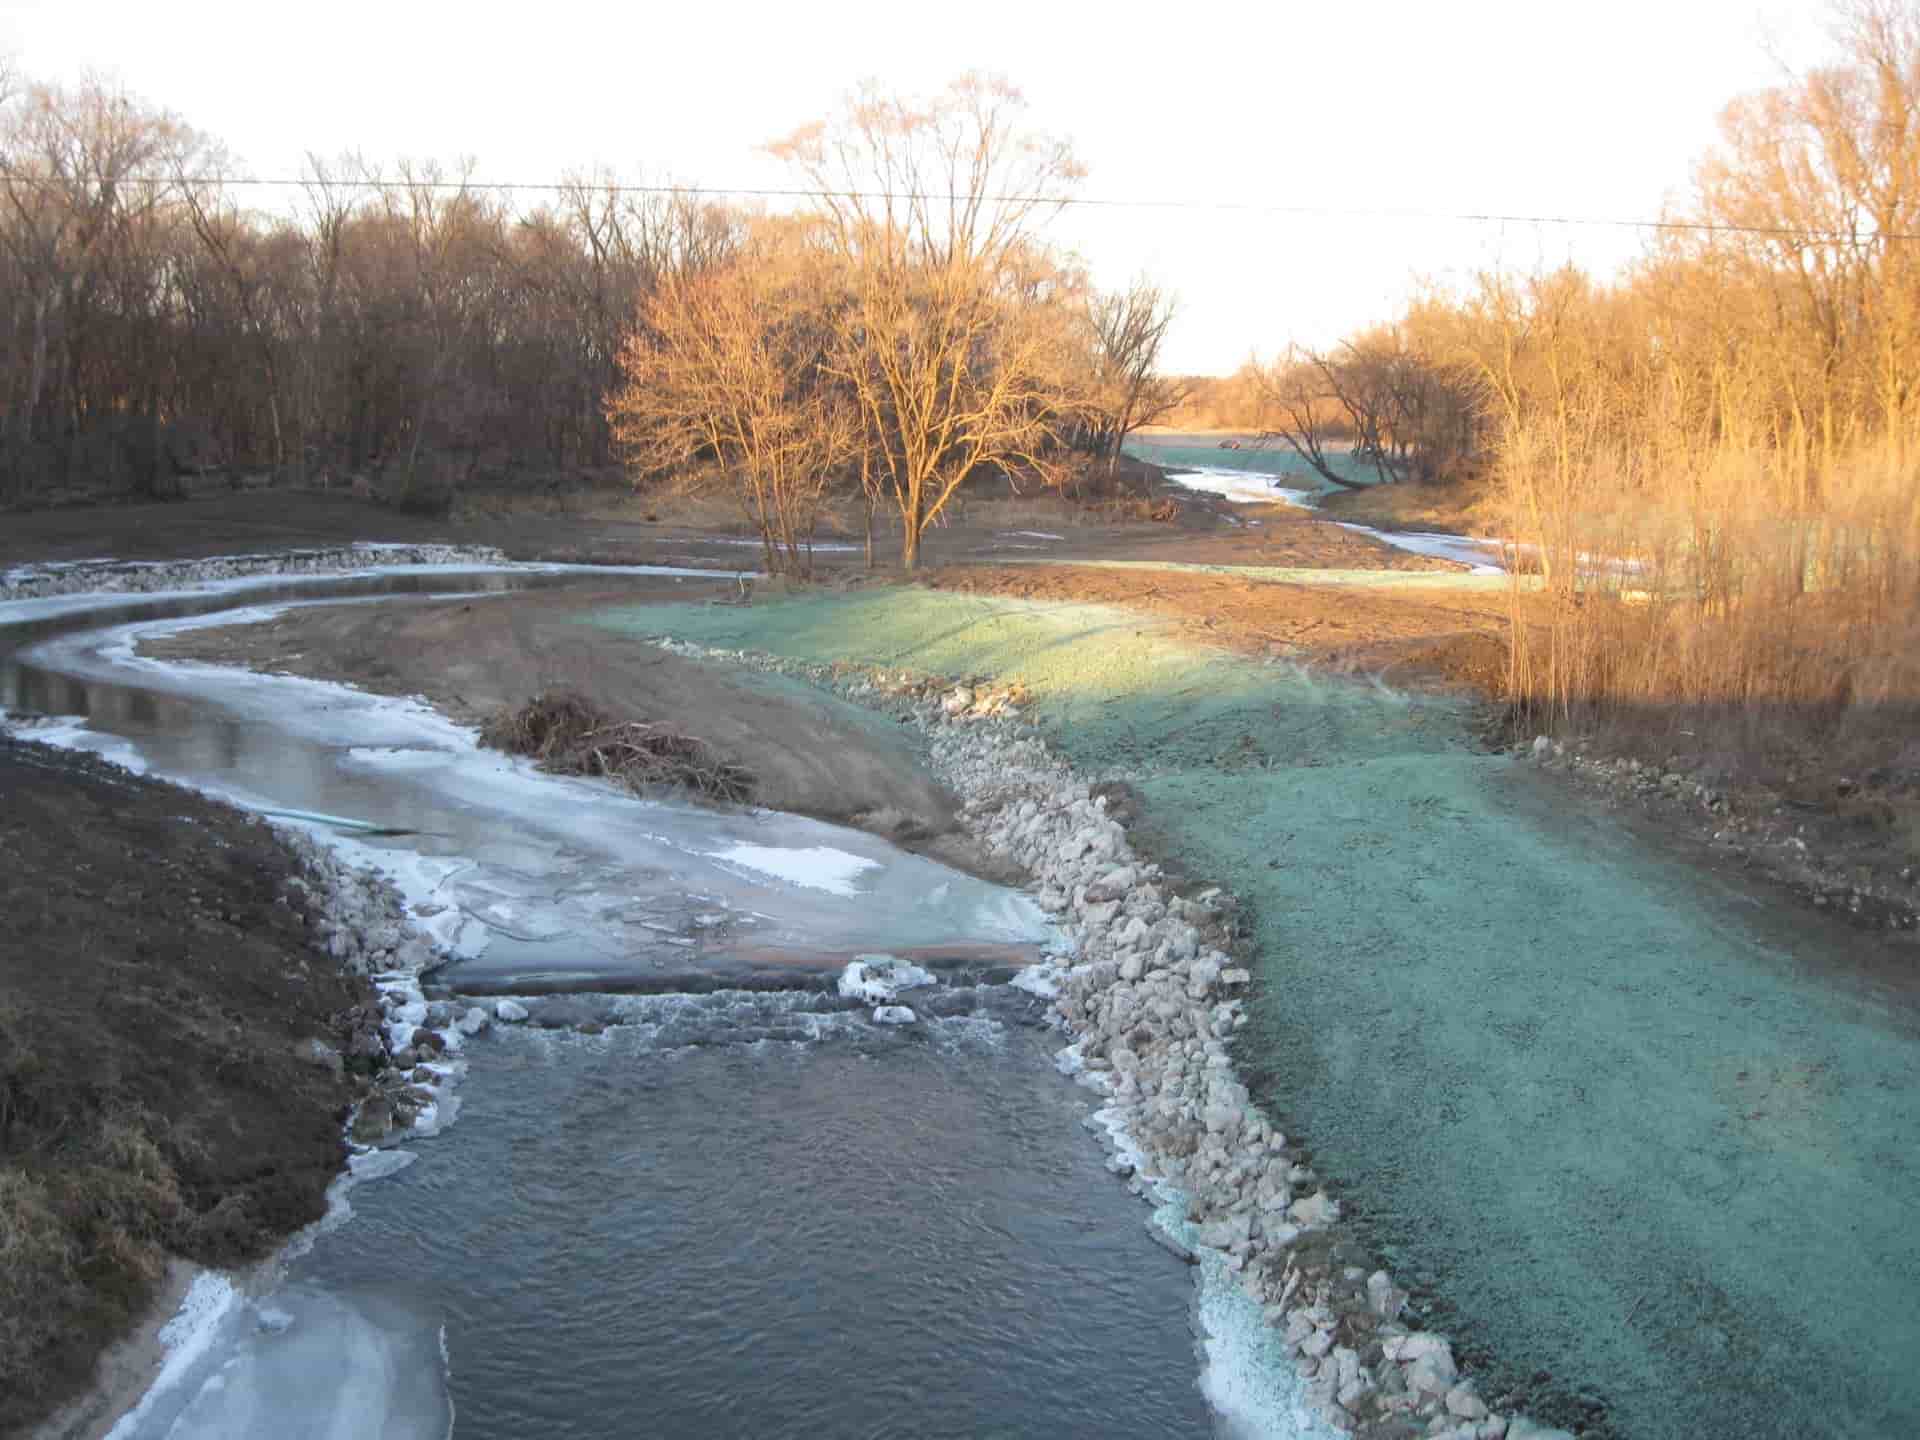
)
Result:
{"points": [[1240, 207]]}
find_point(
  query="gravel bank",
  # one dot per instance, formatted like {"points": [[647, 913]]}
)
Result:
{"points": [[1150, 997], [115, 577]]}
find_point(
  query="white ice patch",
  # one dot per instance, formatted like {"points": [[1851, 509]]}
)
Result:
{"points": [[1031, 535], [819, 867], [879, 979], [817, 546], [894, 1015], [1041, 980], [70, 732], [1247, 486], [396, 759], [1246, 1374], [1481, 554], [186, 1338]]}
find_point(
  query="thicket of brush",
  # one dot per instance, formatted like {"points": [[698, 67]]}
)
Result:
{"points": [[567, 734], [1712, 465]]}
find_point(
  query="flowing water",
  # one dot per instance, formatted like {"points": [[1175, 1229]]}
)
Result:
{"points": [[751, 1209]]}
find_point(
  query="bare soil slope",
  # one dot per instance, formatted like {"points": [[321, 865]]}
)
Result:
{"points": [[156, 990]]}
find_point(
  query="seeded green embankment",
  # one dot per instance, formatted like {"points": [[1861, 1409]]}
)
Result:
{"points": [[1629, 1137]]}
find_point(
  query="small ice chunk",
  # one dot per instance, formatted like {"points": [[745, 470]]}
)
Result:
{"points": [[509, 1012], [1041, 980], [893, 1015], [474, 1021], [879, 979]]}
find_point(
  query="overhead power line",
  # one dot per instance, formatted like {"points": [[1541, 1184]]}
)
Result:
{"points": [[1085, 202]]}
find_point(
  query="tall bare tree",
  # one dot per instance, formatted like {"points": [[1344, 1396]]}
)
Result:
{"points": [[732, 368], [1129, 326], [929, 205]]}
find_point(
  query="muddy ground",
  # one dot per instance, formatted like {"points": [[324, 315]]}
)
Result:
{"points": [[156, 989]]}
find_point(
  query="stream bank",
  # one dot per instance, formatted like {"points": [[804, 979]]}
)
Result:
{"points": [[1465, 992]]}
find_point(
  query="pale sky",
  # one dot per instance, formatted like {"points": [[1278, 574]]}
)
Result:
{"points": [[1431, 109]]}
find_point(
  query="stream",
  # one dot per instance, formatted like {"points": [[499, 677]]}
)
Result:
{"points": [[744, 1206]]}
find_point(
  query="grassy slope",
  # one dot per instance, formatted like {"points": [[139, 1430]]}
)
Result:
{"points": [[1568, 1090]]}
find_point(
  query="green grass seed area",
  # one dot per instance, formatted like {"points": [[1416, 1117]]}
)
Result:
{"points": [[1629, 1137]]}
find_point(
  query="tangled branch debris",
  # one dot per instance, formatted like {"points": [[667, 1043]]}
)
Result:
{"points": [[567, 734]]}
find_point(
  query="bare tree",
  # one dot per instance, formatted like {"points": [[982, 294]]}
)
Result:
{"points": [[929, 206], [1295, 391], [732, 368], [1129, 326]]}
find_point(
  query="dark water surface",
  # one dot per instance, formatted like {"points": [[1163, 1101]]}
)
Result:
{"points": [[862, 1235]]}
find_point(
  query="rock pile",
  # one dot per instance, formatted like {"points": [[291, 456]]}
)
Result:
{"points": [[1768, 837], [1151, 994], [405, 1050], [31, 582]]}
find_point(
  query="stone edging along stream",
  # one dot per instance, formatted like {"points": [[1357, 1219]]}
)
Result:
{"points": [[1151, 996], [88, 577]]}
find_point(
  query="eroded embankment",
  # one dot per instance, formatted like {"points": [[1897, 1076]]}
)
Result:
{"points": [[1564, 1092], [188, 1023]]}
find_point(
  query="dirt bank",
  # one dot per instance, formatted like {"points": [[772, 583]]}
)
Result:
{"points": [[159, 989], [808, 753]]}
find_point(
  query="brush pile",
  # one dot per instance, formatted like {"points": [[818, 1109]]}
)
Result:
{"points": [[567, 734]]}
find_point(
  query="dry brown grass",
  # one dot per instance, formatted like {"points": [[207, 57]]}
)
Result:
{"points": [[567, 734], [1732, 607], [1461, 508], [87, 1215]]}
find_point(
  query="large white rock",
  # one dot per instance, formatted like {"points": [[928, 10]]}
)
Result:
{"points": [[1318, 1208], [1463, 1402]]}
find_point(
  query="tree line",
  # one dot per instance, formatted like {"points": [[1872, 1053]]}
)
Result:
{"points": [[405, 321], [1711, 461]]}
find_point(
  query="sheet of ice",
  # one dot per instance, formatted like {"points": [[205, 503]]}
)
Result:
{"points": [[17, 611], [1246, 1374], [818, 545], [1041, 980], [187, 1338], [594, 883], [879, 979], [70, 732], [1244, 485], [1031, 535], [312, 1365], [819, 867], [1482, 555]]}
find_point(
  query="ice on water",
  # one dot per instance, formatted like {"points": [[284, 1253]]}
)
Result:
{"points": [[879, 979], [312, 1365], [530, 875], [819, 867]]}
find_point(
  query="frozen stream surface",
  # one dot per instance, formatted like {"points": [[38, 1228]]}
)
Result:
{"points": [[749, 1210]]}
